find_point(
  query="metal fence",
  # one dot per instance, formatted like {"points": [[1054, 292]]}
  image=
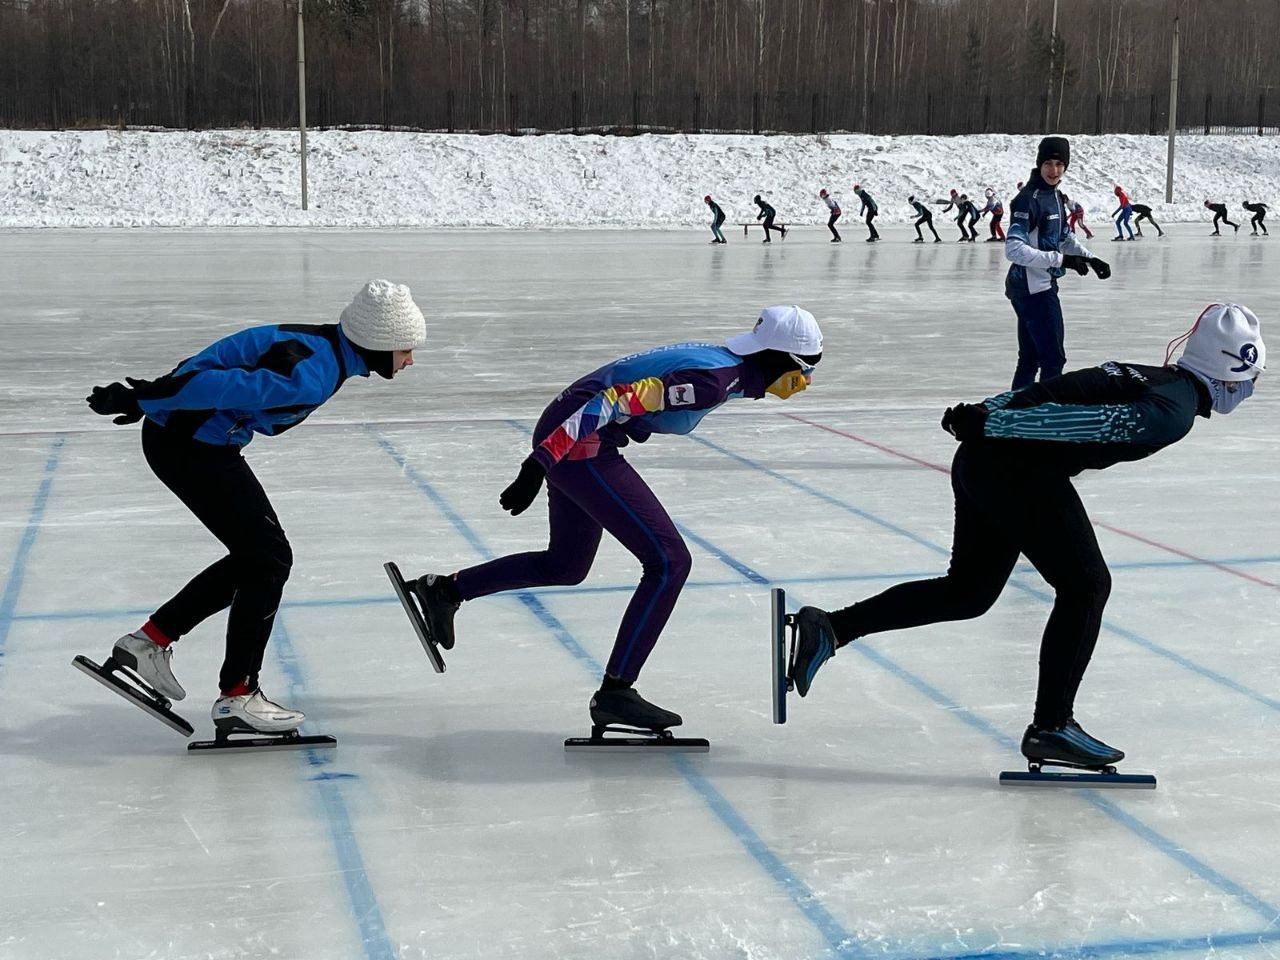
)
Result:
{"points": [[946, 111]]}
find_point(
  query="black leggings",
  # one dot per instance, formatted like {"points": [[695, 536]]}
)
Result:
{"points": [[216, 484], [831, 225], [1004, 509], [873, 233], [1223, 217], [928, 221], [1256, 221]]}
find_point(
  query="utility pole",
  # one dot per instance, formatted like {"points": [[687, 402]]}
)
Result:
{"points": [[1173, 116], [302, 102], [1053, 50]]}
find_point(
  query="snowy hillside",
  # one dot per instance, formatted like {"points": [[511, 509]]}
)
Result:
{"points": [[250, 178]]}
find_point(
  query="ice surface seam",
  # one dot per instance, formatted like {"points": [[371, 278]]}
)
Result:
{"points": [[18, 571]]}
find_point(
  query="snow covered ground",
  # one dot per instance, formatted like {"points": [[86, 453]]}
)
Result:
{"points": [[372, 178]]}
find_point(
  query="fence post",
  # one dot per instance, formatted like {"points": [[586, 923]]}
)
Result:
{"points": [[635, 111], [573, 110], [986, 112], [1097, 114], [1153, 115], [755, 112], [928, 114], [697, 111], [1208, 105], [1044, 105], [1261, 102], [871, 113], [511, 112], [813, 115], [448, 110]]}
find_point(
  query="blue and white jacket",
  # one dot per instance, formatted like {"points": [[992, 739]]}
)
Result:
{"points": [[1037, 239], [261, 380]]}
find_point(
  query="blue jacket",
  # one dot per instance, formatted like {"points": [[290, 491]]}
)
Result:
{"points": [[260, 380], [1037, 239]]}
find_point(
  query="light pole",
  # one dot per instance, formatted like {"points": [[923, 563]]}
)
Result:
{"points": [[1053, 49], [302, 102], [1173, 116]]}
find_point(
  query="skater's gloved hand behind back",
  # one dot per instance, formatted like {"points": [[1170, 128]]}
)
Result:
{"points": [[522, 491], [965, 421], [117, 398]]}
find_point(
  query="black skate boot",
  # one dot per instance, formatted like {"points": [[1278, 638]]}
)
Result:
{"points": [[626, 708], [641, 724], [1069, 746], [438, 595], [815, 644]]}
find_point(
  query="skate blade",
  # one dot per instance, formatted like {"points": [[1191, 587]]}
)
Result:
{"points": [[106, 675], [1077, 778], [782, 682], [415, 615], [260, 743], [638, 744]]}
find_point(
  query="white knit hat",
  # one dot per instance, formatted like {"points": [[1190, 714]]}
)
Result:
{"points": [[383, 316], [787, 328], [1225, 344]]}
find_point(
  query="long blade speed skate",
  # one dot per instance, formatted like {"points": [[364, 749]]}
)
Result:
{"points": [[236, 737], [121, 680], [642, 725], [415, 615], [633, 740], [1086, 760], [781, 623]]}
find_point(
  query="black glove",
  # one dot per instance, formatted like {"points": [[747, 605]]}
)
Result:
{"points": [[965, 421], [1100, 267], [117, 398], [1073, 261], [517, 497]]}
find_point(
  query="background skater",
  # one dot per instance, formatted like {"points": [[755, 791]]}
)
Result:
{"points": [[196, 420], [1144, 213], [870, 209], [834, 207], [1259, 211], [717, 216], [1040, 249], [767, 213], [1220, 213], [923, 216], [1011, 479], [592, 488]]}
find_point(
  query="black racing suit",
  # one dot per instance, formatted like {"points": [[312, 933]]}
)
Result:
{"points": [[1259, 211], [1220, 213], [1013, 495]]}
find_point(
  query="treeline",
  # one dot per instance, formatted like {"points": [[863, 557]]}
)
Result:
{"points": [[880, 66]]}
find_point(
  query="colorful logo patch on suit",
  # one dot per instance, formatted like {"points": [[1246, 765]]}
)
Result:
{"points": [[680, 395]]}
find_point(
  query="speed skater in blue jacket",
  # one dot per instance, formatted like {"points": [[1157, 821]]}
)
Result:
{"points": [[1011, 480], [196, 420], [592, 488], [1041, 249]]}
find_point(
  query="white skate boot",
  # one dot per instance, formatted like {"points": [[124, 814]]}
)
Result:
{"points": [[150, 662], [254, 713]]}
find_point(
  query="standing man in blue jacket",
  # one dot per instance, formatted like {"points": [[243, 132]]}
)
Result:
{"points": [[592, 488], [196, 420], [1011, 480], [1041, 249]]}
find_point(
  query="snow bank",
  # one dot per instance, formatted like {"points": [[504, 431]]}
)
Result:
{"points": [[232, 178]]}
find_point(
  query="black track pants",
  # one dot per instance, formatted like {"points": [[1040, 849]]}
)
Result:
{"points": [[1005, 506], [216, 484]]}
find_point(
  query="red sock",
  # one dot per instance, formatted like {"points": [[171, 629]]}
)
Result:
{"points": [[241, 689], [155, 634]]}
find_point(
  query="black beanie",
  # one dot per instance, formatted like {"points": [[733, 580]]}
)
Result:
{"points": [[1054, 148]]}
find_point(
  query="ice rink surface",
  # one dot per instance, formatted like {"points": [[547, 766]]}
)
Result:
{"points": [[449, 822]]}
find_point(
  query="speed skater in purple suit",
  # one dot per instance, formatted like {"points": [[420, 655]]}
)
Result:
{"points": [[592, 488]]}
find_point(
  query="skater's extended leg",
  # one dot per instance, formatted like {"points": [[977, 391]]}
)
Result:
{"points": [[982, 557]]}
